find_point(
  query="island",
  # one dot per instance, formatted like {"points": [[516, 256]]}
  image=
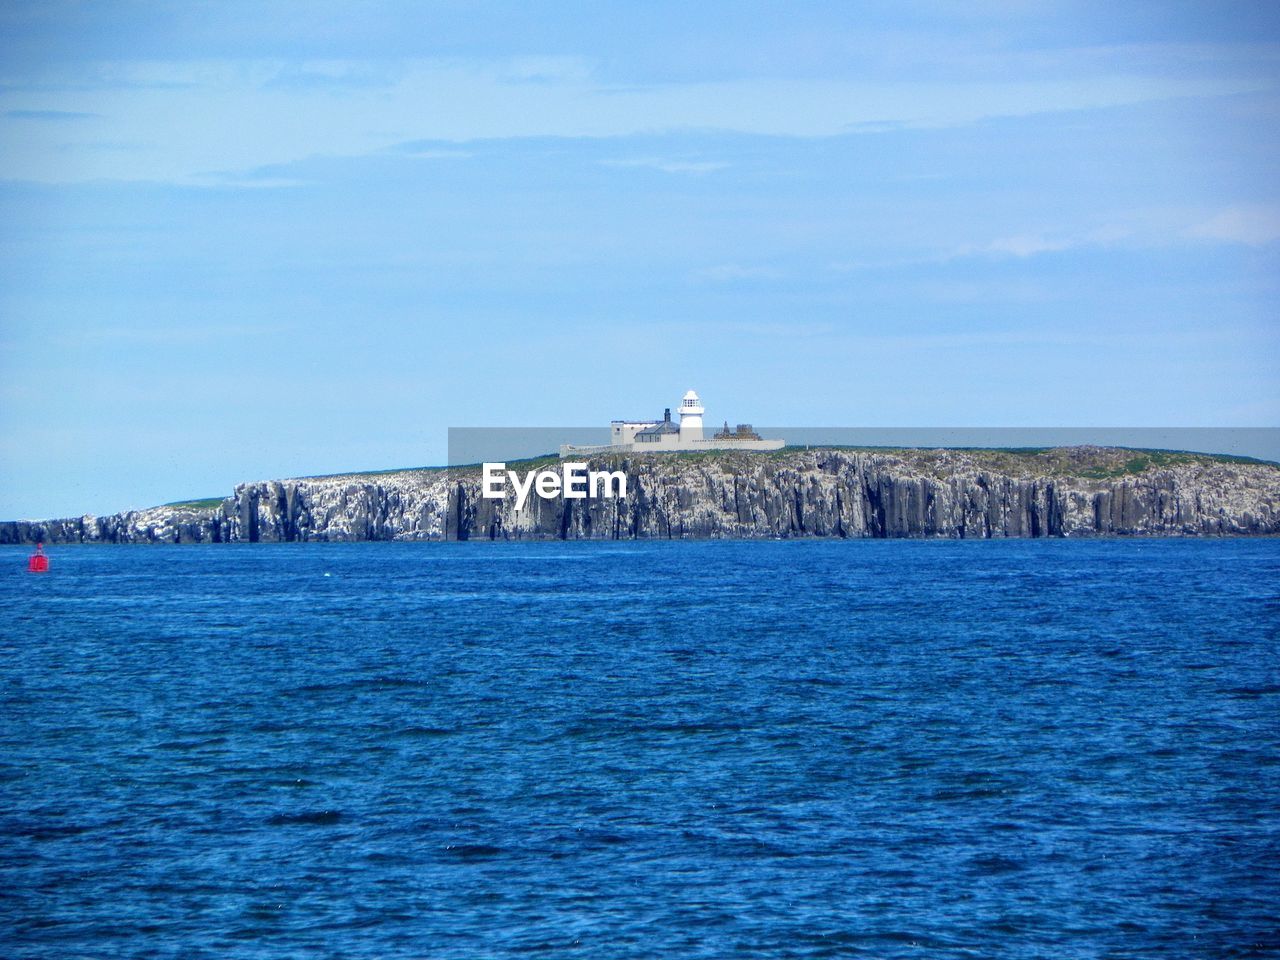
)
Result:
{"points": [[834, 492]]}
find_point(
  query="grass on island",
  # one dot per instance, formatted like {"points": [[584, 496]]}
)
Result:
{"points": [[207, 503], [1091, 462], [369, 473], [1146, 459], [1098, 463], [1095, 463]]}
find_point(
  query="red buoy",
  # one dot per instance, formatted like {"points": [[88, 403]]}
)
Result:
{"points": [[38, 562]]}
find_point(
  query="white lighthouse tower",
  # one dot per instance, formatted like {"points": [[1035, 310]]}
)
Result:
{"points": [[690, 418]]}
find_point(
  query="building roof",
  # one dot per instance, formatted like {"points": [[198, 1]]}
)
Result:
{"points": [[665, 426]]}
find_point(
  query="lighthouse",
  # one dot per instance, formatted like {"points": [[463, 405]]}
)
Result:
{"points": [[664, 436], [690, 418]]}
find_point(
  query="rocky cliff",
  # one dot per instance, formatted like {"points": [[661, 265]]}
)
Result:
{"points": [[1066, 492]]}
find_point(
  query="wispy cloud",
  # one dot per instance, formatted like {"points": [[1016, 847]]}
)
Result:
{"points": [[1024, 245], [545, 70], [1129, 230], [331, 76], [261, 178], [1028, 245], [1251, 224], [1254, 224], [191, 335], [669, 166], [55, 115], [733, 272], [1019, 246], [429, 150], [875, 126], [438, 154], [231, 182]]}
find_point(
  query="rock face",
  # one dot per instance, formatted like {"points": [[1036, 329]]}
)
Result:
{"points": [[1067, 492]]}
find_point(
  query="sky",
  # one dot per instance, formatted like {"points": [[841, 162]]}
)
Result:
{"points": [[242, 241]]}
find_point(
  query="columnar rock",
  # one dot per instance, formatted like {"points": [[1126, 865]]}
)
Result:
{"points": [[1068, 492]]}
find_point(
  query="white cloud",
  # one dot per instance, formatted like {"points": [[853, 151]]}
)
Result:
{"points": [[248, 183], [189, 335], [429, 154], [669, 166], [730, 272], [1028, 245], [1147, 228], [1025, 245], [1254, 224]]}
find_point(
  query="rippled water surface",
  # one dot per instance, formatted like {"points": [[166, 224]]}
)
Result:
{"points": [[882, 749]]}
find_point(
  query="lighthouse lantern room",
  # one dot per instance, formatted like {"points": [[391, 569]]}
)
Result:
{"points": [[690, 418]]}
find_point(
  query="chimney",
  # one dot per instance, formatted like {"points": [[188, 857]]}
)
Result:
{"points": [[666, 415]]}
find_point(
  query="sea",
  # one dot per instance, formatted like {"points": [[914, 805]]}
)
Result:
{"points": [[926, 749]]}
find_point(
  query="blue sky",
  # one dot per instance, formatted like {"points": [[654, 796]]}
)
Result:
{"points": [[241, 241]]}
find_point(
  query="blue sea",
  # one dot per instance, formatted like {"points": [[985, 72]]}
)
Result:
{"points": [[1019, 749]]}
